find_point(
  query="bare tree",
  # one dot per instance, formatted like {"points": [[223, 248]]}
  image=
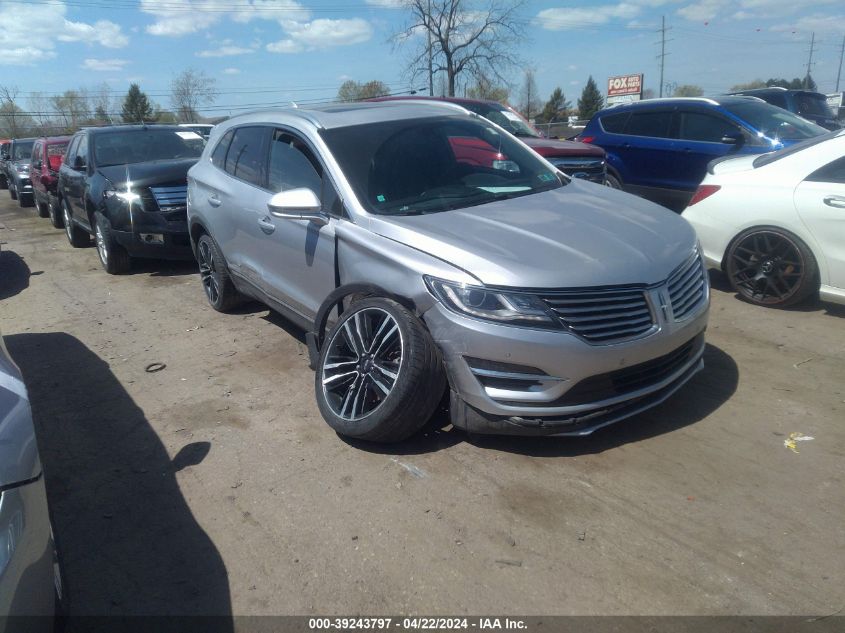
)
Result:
{"points": [[529, 101], [10, 111], [484, 88], [190, 90], [40, 110], [102, 102], [72, 108], [473, 37], [351, 90]]}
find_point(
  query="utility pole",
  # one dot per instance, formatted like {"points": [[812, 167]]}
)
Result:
{"points": [[663, 53], [841, 55], [430, 64], [810, 59]]}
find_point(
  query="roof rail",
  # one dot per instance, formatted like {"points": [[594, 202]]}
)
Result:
{"points": [[674, 99]]}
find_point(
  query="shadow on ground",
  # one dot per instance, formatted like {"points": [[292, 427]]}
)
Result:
{"points": [[163, 267], [700, 397], [14, 274], [129, 542]]}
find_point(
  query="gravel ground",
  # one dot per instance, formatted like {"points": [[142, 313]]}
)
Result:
{"points": [[213, 485]]}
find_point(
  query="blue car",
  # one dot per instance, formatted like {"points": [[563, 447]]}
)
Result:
{"points": [[659, 149]]}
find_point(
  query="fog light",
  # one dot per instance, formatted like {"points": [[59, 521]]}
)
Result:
{"points": [[152, 238]]}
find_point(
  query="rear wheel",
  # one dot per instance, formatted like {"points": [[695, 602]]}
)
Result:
{"points": [[4, 182], [43, 211], [380, 376], [13, 193], [55, 215], [76, 236], [113, 256], [769, 266], [214, 274]]}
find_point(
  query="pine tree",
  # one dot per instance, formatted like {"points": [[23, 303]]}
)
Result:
{"points": [[136, 106], [556, 107], [591, 100]]}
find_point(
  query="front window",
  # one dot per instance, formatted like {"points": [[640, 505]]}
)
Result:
{"points": [[22, 151], [140, 146], [435, 164], [775, 123], [503, 117]]}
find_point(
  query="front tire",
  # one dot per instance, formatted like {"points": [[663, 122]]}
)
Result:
{"points": [[214, 274], [43, 211], [380, 376], [769, 266], [55, 216], [75, 235], [13, 193], [113, 256], [612, 181]]}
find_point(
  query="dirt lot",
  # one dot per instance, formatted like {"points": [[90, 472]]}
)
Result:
{"points": [[213, 485]]}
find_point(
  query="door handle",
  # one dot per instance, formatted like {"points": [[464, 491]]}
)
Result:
{"points": [[266, 225], [214, 201], [835, 201]]}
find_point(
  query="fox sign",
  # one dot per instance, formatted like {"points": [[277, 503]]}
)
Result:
{"points": [[624, 85]]}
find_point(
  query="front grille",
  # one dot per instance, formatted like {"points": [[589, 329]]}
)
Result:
{"points": [[169, 197], [687, 287], [630, 379], [584, 168], [602, 316]]}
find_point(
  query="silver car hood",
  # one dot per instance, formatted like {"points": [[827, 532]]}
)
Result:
{"points": [[19, 461], [579, 235]]}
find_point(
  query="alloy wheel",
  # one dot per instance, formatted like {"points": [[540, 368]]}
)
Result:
{"points": [[68, 221], [767, 267], [362, 363], [102, 247], [209, 278]]}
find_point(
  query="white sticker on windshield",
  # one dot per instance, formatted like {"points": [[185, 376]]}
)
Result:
{"points": [[503, 189], [189, 136], [511, 116]]}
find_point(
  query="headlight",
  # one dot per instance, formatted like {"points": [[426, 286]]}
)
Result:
{"points": [[22, 169], [127, 196], [512, 308]]}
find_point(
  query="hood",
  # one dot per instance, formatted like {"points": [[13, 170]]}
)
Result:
{"points": [[18, 450], [549, 147], [21, 163], [579, 235], [149, 174]]}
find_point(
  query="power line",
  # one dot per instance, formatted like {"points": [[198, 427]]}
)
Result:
{"points": [[663, 53], [841, 55]]}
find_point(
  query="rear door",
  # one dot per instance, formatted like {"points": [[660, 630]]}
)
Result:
{"points": [[820, 200], [35, 168], [76, 178], [645, 149]]}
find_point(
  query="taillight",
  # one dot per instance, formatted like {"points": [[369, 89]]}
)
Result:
{"points": [[703, 191], [586, 139]]}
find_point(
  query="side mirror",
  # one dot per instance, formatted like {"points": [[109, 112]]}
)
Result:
{"points": [[36, 165], [733, 139], [79, 163], [298, 204]]}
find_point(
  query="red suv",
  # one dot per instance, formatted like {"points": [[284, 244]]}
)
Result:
{"points": [[573, 158], [47, 156]]}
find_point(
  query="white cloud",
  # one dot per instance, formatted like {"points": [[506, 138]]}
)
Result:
{"points": [[559, 19], [705, 10], [231, 71], [225, 51], [388, 4], [104, 65], [22, 24], [817, 22], [321, 33], [190, 16]]}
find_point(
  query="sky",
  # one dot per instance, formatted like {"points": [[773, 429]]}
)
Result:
{"points": [[270, 52]]}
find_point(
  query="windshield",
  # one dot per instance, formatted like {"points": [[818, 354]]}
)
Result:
{"points": [[771, 157], [141, 146], [773, 122], [808, 104], [22, 151], [502, 117], [436, 164]]}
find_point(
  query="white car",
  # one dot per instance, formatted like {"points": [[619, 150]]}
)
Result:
{"points": [[775, 223]]}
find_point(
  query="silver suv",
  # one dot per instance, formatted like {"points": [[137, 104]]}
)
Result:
{"points": [[548, 306]]}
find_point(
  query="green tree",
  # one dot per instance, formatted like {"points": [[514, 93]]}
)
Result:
{"points": [[688, 90], [751, 85], [591, 100], [809, 84], [485, 89], [354, 91], [137, 107], [556, 107]]}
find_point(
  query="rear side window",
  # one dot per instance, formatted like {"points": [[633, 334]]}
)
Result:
{"points": [[832, 172], [654, 124], [218, 157], [698, 126], [776, 99], [244, 158], [614, 123]]}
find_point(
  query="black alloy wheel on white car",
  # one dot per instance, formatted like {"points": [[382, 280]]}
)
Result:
{"points": [[380, 376]]}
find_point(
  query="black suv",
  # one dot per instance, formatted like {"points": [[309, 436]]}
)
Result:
{"points": [[16, 165], [805, 103], [127, 186]]}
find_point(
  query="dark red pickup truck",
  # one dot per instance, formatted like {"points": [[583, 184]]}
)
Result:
{"points": [[47, 155], [574, 158]]}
